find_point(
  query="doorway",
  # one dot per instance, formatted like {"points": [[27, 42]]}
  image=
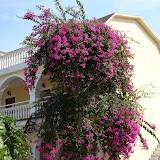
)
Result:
{"points": [[10, 100]]}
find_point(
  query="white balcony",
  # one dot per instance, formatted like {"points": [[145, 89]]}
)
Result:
{"points": [[20, 112], [13, 58]]}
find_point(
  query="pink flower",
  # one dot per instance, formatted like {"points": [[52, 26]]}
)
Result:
{"points": [[35, 69], [105, 118], [145, 145], [89, 136], [83, 65], [84, 127], [90, 146], [153, 126], [92, 28], [29, 15], [79, 141]]}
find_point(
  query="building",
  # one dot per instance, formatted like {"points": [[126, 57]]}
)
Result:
{"points": [[144, 44], [146, 47]]}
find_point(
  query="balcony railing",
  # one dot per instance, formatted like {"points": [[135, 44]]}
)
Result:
{"points": [[13, 58], [19, 112]]}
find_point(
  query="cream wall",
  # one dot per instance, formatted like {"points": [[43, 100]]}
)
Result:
{"points": [[19, 93], [147, 71], [21, 73]]}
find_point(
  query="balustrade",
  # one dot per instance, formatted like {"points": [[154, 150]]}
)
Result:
{"points": [[18, 112], [13, 58]]}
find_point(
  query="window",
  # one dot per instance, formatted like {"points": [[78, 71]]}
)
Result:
{"points": [[9, 101]]}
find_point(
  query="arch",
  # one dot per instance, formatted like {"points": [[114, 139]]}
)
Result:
{"points": [[38, 80], [6, 83], [38, 84], [36, 91], [8, 79]]}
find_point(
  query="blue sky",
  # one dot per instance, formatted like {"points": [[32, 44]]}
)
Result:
{"points": [[13, 30]]}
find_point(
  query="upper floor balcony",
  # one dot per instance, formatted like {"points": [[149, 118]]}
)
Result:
{"points": [[13, 61], [14, 99]]}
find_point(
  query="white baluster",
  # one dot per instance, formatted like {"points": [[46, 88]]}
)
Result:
{"points": [[21, 57], [14, 59], [29, 111], [18, 56], [6, 62], [18, 113], [5, 66], [10, 61], [1, 64], [23, 112]]}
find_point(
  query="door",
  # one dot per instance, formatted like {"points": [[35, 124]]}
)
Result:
{"points": [[9, 101]]}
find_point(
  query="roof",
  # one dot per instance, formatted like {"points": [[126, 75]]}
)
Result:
{"points": [[2, 52], [105, 18], [108, 18]]}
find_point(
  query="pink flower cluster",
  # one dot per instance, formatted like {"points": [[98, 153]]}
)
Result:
{"points": [[71, 44], [29, 15], [153, 126], [144, 144]]}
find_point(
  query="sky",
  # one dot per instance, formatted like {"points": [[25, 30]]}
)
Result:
{"points": [[13, 30]]}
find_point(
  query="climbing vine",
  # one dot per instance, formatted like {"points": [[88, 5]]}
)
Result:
{"points": [[93, 111]]}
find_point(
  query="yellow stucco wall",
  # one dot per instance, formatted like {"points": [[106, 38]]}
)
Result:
{"points": [[21, 73], [19, 93], [147, 69]]}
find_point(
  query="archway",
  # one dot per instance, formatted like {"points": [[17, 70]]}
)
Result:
{"points": [[14, 99]]}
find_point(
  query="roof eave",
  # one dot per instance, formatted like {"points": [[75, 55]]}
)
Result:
{"points": [[140, 21]]}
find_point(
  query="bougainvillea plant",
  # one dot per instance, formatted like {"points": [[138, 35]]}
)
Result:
{"points": [[93, 111]]}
